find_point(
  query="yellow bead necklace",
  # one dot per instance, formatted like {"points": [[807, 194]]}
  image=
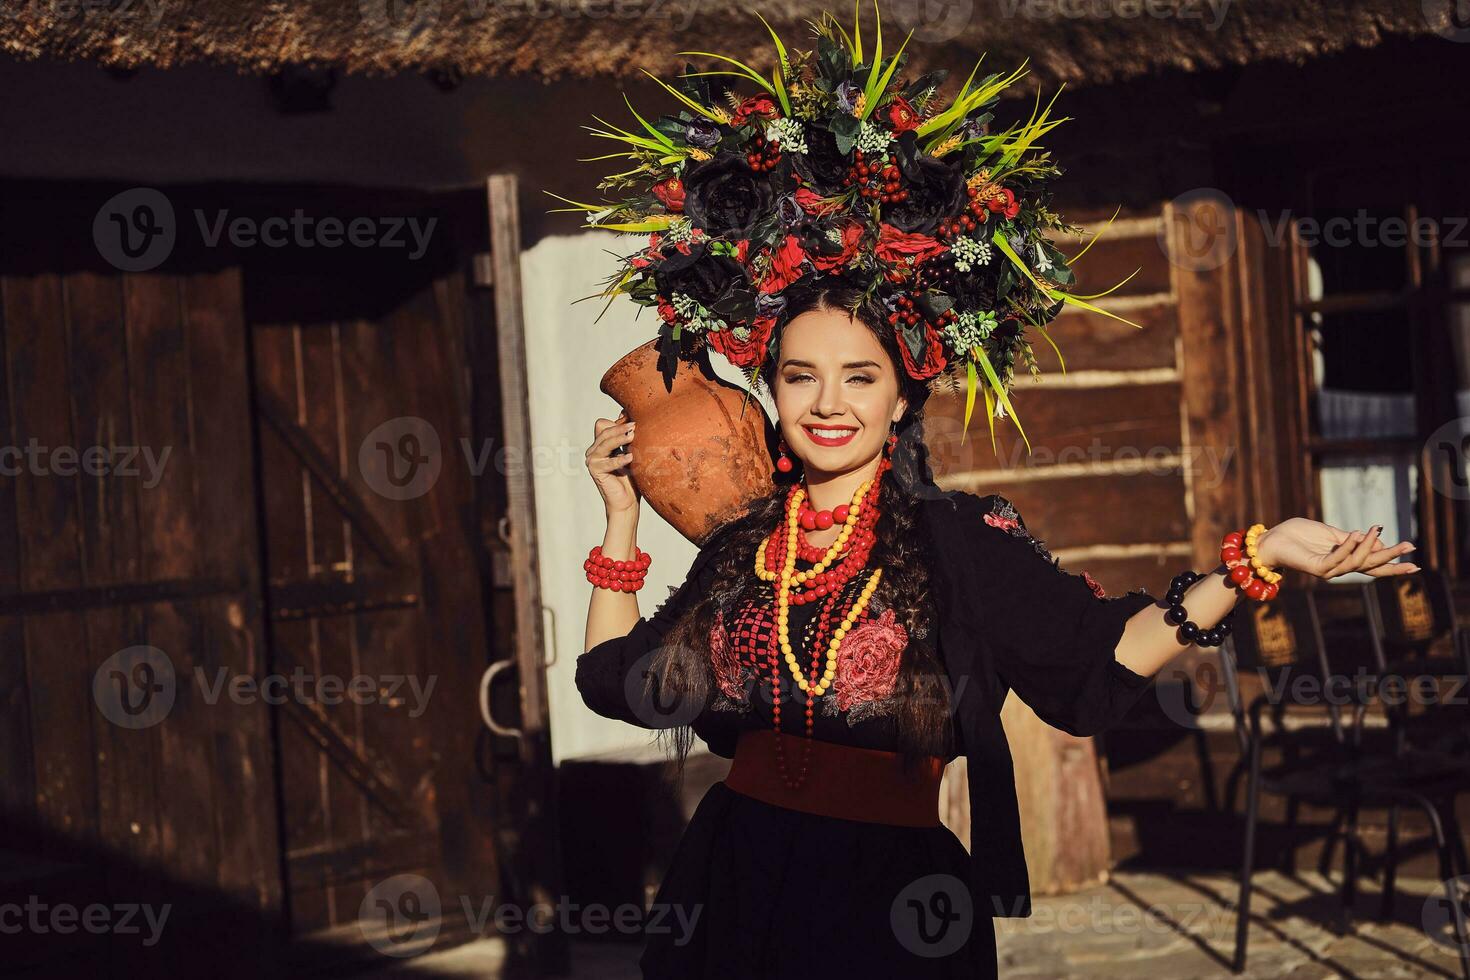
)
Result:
{"points": [[789, 577]]}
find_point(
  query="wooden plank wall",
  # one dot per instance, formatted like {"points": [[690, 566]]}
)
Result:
{"points": [[1106, 485]]}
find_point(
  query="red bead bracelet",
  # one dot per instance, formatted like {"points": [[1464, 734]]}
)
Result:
{"points": [[618, 575], [1235, 556]]}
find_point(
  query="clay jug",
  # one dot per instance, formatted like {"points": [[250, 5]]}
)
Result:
{"points": [[697, 458]]}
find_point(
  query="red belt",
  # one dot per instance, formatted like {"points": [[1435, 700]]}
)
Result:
{"points": [[841, 780]]}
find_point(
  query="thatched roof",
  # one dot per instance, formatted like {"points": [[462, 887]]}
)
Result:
{"points": [[540, 38]]}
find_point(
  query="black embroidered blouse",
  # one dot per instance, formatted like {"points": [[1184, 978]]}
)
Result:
{"points": [[1008, 617]]}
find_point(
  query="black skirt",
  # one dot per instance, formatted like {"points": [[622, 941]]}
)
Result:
{"points": [[760, 891]]}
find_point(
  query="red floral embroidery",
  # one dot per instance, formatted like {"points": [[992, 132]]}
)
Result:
{"points": [[728, 671], [867, 667], [1004, 523], [1092, 584]]}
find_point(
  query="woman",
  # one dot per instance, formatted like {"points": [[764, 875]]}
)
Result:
{"points": [[822, 851]]}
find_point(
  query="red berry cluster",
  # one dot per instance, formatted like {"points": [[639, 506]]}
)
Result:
{"points": [[763, 155], [975, 214], [908, 314], [617, 575], [879, 179]]}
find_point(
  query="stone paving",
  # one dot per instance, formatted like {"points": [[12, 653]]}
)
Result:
{"points": [[1160, 926]]}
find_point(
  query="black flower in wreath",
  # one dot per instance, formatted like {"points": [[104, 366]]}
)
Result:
{"points": [[936, 189], [705, 277], [823, 166], [725, 196]]}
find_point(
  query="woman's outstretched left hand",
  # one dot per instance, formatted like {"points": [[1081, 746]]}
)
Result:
{"points": [[1327, 552]]}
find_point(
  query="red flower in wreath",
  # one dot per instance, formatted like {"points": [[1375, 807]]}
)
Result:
{"points": [[785, 266], [935, 360], [813, 203], [867, 665], [1005, 204], [903, 115], [723, 658], [762, 106], [670, 193], [852, 234], [744, 353], [896, 246], [666, 311]]}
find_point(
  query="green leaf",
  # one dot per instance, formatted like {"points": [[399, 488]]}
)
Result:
{"points": [[969, 399], [1000, 392], [745, 70], [1060, 359], [778, 74], [656, 134]]}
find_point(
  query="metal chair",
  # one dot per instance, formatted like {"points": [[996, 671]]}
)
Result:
{"points": [[1416, 633], [1416, 636], [1278, 639]]}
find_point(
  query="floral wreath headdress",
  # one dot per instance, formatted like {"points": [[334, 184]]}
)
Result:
{"points": [[840, 167]]}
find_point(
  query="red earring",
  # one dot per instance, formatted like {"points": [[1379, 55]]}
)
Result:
{"points": [[783, 463]]}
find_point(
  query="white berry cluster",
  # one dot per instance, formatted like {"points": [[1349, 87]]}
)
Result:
{"points": [[696, 318], [788, 133], [873, 140], [969, 252], [969, 329], [681, 229]]}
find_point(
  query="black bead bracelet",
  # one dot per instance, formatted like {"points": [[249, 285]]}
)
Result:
{"points": [[1175, 615]]}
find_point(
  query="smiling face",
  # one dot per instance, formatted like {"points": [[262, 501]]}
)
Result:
{"points": [[836, 391]]}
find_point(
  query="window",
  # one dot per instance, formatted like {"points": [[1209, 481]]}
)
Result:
{"points": [[1368, 300]]}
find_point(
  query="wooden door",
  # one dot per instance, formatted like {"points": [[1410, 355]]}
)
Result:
{"points": [[128, 574], [372, 561], [266, 384]]}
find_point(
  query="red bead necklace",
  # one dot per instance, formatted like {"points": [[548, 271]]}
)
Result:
{"points": [[826, 587]]}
